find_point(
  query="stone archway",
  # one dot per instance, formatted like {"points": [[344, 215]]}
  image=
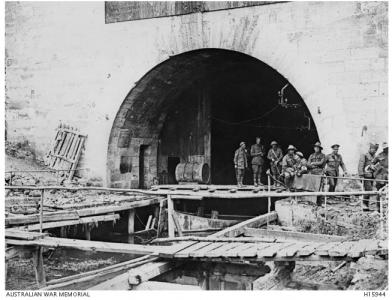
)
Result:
{"points": [[174, 112]]}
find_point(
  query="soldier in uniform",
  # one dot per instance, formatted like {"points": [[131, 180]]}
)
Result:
{"points": [[381, 170], [333, 161], [240, 163], [365, 171], [316, 160], [275, 155], [316, 163], [257, 152], [289, 163], [301, 167]]}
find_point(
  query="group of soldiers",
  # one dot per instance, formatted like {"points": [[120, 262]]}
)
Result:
{"points": [[371, 167]]}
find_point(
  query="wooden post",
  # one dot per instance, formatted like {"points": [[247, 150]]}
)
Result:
{"points": [[39, 267], [325, 208], [63, 232], [269, 198], [87, 231], [381, 217], [170, 221], [131, 225], [41, 211]]}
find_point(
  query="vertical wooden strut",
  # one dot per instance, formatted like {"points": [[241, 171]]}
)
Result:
{"points": [[170, 221], [131, 225], [39, 267]]}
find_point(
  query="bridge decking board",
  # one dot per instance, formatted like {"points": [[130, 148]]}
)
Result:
{"points": [[186, 252], [222, 250], [341, 250], [203, 251]]}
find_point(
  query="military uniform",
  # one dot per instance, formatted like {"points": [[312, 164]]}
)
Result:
{"points": [[316, 163], [333, 162], [381, 172], [301, 167], [257, 152], [364, 161], [289, 164], [275, 156], [240, 164]]}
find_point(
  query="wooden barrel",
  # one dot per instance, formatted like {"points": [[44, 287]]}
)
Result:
{"points": [[193, 172]]}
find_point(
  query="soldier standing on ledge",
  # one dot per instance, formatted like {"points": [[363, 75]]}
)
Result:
{"points": [[381, 170], [257, 152], [316, 160], [333, 161], [240, 163], [365, 170], [316, 163], [275, 155]]}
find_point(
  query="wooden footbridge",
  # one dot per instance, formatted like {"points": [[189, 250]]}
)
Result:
{"points": [[243, 243]]}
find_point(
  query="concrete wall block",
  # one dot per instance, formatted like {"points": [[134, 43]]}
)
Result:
{"points": [[365, 53], [352, 65]]}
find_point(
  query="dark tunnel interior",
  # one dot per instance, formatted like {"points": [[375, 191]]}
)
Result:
{"points": [[243, 98]]}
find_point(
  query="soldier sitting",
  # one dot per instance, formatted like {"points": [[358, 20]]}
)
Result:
{"points": [[301, 167], [289, 163]]}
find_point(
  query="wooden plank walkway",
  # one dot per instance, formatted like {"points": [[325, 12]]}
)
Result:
{"points": [[275, 251]]}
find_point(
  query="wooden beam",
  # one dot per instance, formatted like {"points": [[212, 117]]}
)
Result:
{"points": [[92, 277], [170, 220], [90, 245], [292, 235], [131, 225], [148, 271], [23, 235], [217, 239], [240, 227], [94, 219], [38, 263], [47, 217], [164, 286]]}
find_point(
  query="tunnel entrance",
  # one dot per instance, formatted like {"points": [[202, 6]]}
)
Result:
{"points": [[197, 107]]}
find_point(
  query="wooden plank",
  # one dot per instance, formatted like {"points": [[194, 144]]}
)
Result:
{"points": [[236, 252], [309, 249], [203, 251], [94, 219], [38, 263], [322, 250], [249, 252], [23, 235], [371, 247], [47, 217], [170, 251], [215, 239], [341, 250], [52, 242], [219, 252], [86, 278], [358, 249], [240, 227], [290, 235], [382, 247], [177, 224], [273, 249], [291, 250], [113, 208], [187, 251], [148, 271], [170, 221]]}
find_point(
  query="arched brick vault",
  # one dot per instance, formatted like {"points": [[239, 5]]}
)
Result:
{"points": [[144, 110]]}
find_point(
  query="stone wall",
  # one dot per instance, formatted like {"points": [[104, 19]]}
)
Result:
{"points": [[64, 63]]}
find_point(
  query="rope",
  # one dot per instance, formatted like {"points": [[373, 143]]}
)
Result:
{"points": [[246, 121]]}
